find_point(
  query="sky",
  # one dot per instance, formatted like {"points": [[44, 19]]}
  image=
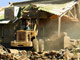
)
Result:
{"points": [[4, 3]]}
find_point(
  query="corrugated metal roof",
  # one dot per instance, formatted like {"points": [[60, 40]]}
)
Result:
{"points": [[57, 9], [52, 6], [42, 2]]}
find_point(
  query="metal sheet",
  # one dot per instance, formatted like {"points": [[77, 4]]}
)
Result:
{"points": [[57, 9], [4, 21]]}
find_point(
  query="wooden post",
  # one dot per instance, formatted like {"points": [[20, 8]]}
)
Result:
{"points": [[59, 25], [79, 8], [71, 13], [77, 56], [75, 14]]}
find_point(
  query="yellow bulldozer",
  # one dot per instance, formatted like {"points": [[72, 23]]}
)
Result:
{"points": [[27, 37]]}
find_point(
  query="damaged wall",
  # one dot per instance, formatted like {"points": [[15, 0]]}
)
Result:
{"points": [[7, 33]]}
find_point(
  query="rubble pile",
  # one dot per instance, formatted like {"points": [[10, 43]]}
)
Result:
{"points": [[63, 54]]}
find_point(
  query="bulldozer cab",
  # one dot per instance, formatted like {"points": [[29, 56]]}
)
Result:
{"points": [[30, 25]]}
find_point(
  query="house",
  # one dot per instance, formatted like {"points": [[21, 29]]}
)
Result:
{"points": [[60, 18], [7, 28]]}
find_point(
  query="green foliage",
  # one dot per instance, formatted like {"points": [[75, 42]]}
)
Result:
{"points": [[75, 51]]}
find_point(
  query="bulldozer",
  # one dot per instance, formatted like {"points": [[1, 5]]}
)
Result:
{"points": [[27, 37]]}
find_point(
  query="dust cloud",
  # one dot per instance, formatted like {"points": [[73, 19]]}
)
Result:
{"points": [[48, 32]]}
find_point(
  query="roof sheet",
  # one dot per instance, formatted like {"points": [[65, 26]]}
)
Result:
{"points": [[4, 21], [57, 9], [42, 1]]}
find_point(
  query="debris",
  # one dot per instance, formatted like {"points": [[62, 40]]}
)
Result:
{"points": [[14, 51]]}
